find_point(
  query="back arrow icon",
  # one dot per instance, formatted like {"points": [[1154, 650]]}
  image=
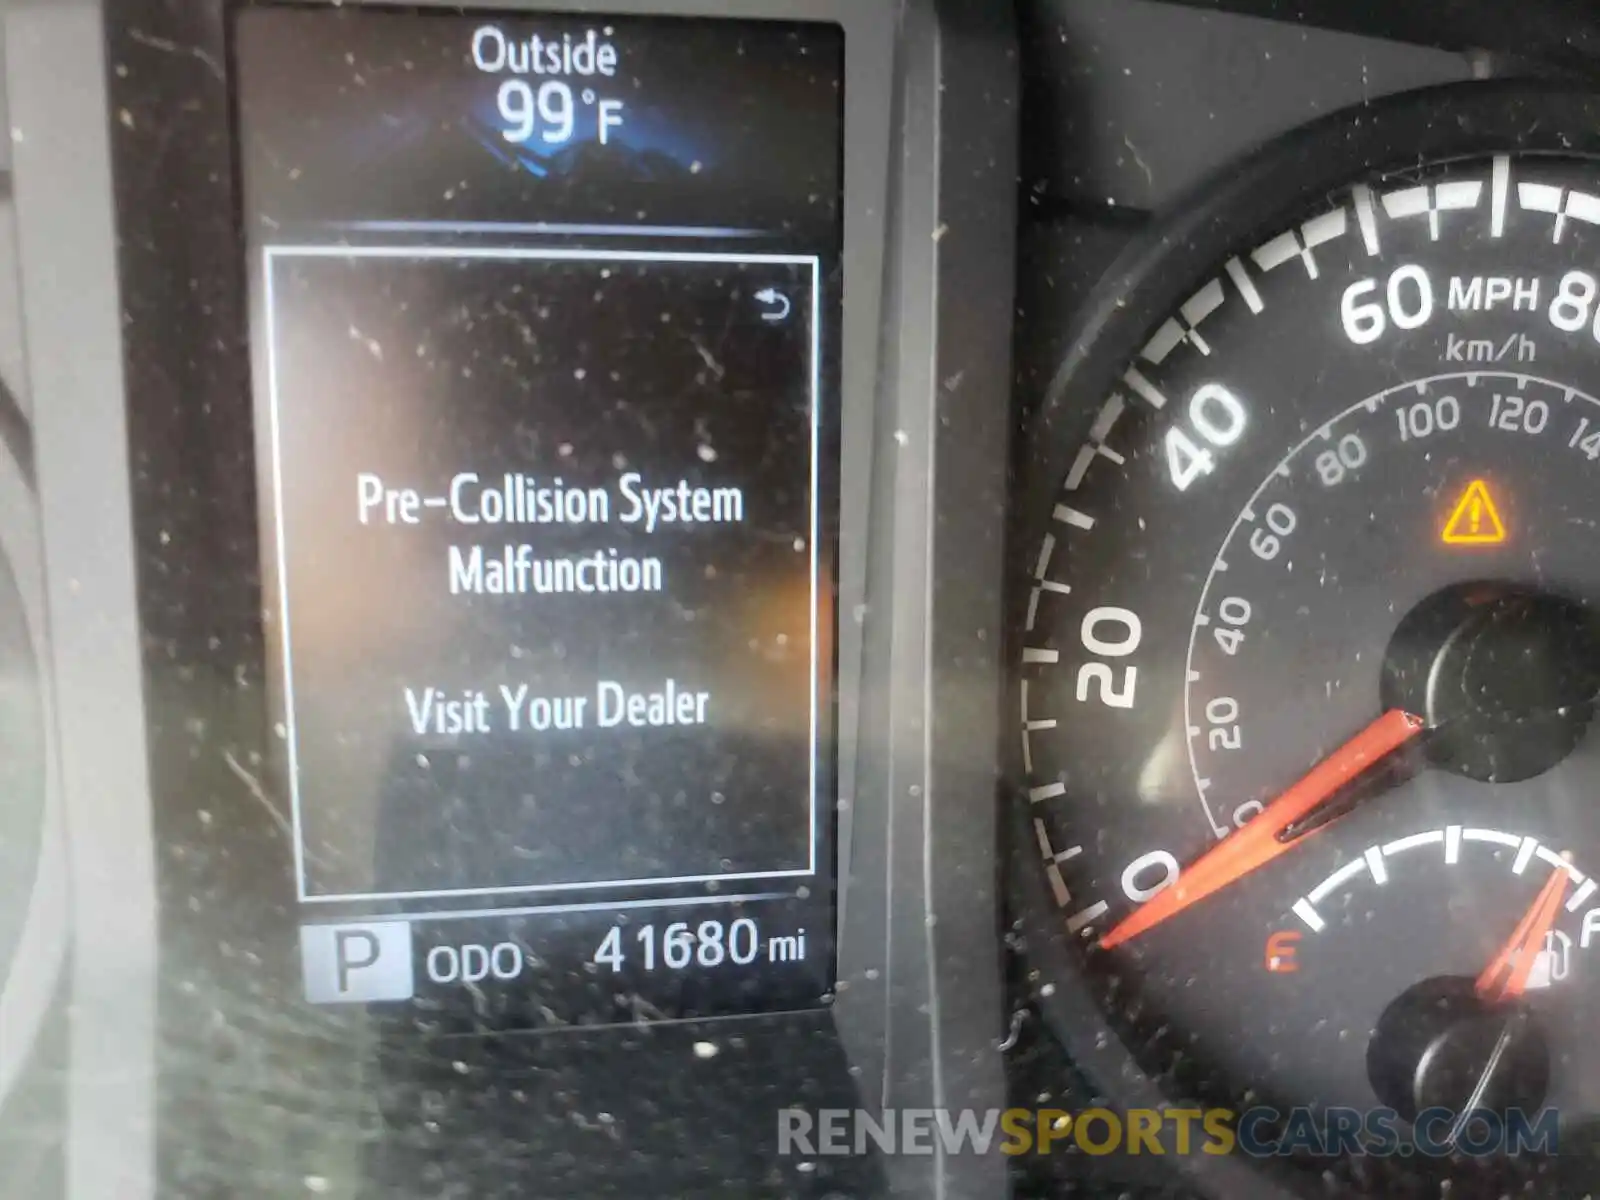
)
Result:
{"points": [[773, 299]]}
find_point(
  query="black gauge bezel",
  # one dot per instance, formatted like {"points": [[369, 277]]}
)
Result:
{"points": [[1264, 194]]}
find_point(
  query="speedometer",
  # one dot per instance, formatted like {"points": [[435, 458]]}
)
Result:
{"points": [[1308, 638]]}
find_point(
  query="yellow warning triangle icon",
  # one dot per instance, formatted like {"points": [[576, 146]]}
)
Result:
{"points": [[1475, 521]]}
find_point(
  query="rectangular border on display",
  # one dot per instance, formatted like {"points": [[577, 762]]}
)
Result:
{"points": [[269, 254]]}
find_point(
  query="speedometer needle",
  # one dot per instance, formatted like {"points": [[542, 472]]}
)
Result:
{"points": [[1518, 955], [1259, 841]]}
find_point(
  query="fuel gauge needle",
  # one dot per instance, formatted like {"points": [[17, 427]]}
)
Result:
{"points": [[1506, 978], [1259, 842]]}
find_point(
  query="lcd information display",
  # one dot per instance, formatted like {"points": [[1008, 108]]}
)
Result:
{"points": [[544, 323]]}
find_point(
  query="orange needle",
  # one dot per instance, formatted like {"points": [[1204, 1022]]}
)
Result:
{"points": [[1518, 955], [1257, 843]]}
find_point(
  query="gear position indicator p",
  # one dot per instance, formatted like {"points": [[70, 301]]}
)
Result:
{"points": [[354, 964]]}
